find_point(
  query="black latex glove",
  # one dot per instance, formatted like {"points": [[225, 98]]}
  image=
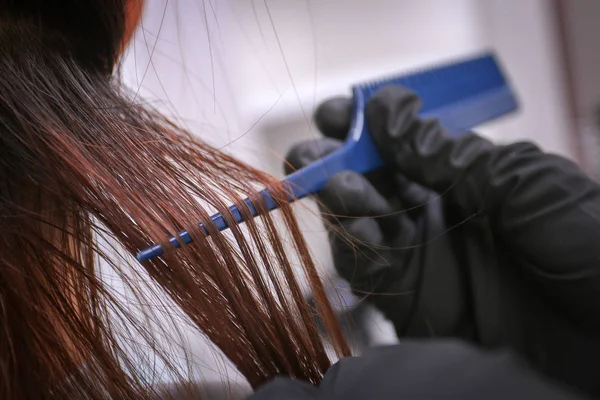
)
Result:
{"points": [[447, 370], [501, 247], [387, 231]]}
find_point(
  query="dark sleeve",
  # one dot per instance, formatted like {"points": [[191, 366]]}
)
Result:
{"points": [[422, 370], [541, 208]]}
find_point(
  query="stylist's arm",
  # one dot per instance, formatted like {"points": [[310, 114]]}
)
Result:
{"points": [[459, 237]]}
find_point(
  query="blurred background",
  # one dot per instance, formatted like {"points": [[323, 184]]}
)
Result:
{"points": [[246, 75]]}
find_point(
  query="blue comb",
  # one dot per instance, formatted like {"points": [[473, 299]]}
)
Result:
{"points": [[461, 96]]}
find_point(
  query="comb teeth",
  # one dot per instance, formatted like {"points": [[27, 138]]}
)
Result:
{"points": [[446, 83], [461, 94], [430, 75]]}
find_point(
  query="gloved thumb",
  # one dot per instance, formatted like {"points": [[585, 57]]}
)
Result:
{"points": [[307, 152]]}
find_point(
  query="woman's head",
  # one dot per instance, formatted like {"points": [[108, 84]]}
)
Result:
{"points": [[91, 31], [88, 177]]}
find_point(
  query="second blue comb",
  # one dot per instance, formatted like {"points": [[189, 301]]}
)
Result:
{"points": [[460, 95]]}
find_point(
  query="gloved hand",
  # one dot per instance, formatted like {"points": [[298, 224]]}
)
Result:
{"points": [[460, 237], [387, 232]]}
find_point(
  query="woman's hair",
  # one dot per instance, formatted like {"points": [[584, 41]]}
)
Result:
{"points": [[88, 177]]}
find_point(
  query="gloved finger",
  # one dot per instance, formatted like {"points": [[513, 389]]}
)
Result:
{"points": [[333, 117], [411, 194], [394, 185], [349, 195], [362, 258], [359, 251], [307, 152], [418, 148], [392, 110]]}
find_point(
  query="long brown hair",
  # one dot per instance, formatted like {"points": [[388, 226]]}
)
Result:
{"points": [[88, 176]]}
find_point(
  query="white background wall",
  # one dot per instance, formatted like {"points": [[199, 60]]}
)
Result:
{"points": [[582, 17], [246, 77], [583, 31], [328, 45]]}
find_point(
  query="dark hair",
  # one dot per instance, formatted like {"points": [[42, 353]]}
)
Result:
{"points": [[87, 31], [86, 172]]}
